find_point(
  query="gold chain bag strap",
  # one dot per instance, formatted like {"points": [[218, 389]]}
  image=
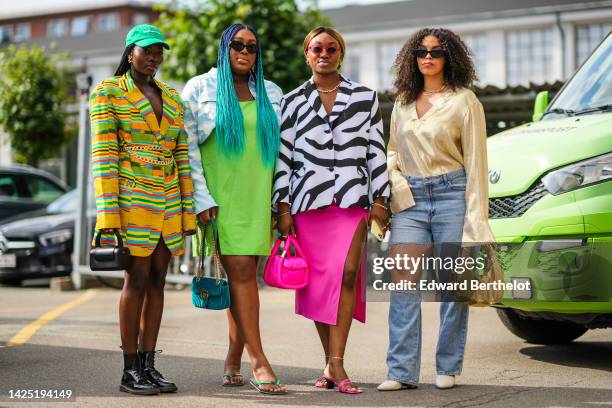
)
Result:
{"points": [[208, 292]]}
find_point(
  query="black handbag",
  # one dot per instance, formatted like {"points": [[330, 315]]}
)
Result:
{"points": [[115, 258]]}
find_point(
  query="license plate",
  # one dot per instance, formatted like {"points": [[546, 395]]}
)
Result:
{"points": [[524, 288], [8, 261]]}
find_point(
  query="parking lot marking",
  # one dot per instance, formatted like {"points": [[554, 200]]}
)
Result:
{"points": [[28, 331]]}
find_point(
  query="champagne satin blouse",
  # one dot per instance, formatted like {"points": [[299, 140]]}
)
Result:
{"points": [[451, 135]]}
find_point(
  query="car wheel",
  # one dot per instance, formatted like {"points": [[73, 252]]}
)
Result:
{"points": [[540, 331]]}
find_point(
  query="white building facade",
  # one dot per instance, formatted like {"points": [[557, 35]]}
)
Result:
{"points": [[516, 44], [91, 32]]}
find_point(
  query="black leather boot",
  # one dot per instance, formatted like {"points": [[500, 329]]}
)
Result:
{"points": [[134, 380], [147, 359]]}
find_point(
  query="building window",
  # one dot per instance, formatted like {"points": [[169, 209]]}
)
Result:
{"points": [[529, 56], [387, 52], [588, 37], [57, 28], [108, 22], [6, 34], [350, 67], [140, 18], [477, 43], [81, 25], [23, 32]]}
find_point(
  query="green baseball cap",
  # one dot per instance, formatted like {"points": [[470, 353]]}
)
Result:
{"points": [[144, 35]]}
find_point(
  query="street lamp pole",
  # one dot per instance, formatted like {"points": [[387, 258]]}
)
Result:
{"points": [[81, 227]]}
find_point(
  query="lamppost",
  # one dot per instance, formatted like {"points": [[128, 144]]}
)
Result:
{"points": [[81, 227]]}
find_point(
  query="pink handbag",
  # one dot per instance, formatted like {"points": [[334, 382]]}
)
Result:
{"points": [[284, 270]]}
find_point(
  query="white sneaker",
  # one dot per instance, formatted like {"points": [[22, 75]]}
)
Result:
{"points": [[391, 385], [445, 381]]}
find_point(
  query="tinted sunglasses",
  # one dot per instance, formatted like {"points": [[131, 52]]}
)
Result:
{"points": [[422, 53], [239, 46], [317, 49]]}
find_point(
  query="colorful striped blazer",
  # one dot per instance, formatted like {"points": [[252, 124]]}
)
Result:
{"points": [[140, 167]]}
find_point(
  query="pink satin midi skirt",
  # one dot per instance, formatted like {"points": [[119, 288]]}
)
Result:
{"points": [[325, 235]]}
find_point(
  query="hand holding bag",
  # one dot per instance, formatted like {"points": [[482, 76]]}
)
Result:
{"points": [[207, 292], [287, 272], [116, 258], [493, 272]]}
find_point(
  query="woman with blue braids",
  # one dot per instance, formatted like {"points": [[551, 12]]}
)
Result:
{"points": [[232, 117]]}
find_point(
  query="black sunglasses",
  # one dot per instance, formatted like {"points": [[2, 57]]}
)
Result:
{"points": [[239, 46], [422, 53]]}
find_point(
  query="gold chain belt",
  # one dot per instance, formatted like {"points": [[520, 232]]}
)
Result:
{"points": [[133, 149]]}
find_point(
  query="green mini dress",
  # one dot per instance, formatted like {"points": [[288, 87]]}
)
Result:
{"points": [[242, 187]]}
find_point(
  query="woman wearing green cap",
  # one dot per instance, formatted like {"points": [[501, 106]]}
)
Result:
{"points": [[144, 191]]}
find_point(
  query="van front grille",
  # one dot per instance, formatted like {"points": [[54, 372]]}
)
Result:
{"points": [[515, 206]]}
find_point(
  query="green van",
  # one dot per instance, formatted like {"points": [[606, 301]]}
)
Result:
{"points": [[550, 187]]}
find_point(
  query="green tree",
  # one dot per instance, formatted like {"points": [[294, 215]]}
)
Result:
{"points": [[32, 102], [193, 34]]}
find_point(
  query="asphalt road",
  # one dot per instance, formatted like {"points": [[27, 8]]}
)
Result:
{"points": [[79, 351]]}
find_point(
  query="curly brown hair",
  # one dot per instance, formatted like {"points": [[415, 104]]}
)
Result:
{"points": [[459, 68]]}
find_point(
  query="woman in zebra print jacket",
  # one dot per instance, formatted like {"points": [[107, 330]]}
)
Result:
{"points": [[331, 179]]}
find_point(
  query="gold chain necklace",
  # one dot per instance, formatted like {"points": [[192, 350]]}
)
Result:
{"points": [[329, 90], [434, 92]]}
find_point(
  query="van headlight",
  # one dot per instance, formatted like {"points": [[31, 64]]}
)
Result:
{"points": [[579, 175], [55, 237]]}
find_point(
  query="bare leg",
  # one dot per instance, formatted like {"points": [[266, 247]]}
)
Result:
{"points": [[131, 301], [241, 271], [323, 330], [234, 352], [151, 315], [339, 332]]}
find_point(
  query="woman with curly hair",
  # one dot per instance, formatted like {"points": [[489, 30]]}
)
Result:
{"points": [[437, 163]]}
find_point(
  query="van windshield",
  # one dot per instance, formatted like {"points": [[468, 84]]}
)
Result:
{"points": [[590, 90]]}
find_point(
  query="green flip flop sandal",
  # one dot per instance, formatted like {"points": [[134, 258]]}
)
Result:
{"points": [[257, 385], [230, 380]]}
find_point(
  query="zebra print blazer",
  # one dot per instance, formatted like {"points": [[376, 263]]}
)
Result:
{"points": [[338, 157]]}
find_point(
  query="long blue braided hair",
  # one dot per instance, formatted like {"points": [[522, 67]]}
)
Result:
{"points": [[229, 123]]}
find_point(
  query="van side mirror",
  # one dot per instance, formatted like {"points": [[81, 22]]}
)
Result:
{"points": [[540, 105]]}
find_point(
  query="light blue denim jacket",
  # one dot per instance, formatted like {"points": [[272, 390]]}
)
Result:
{"points": [[200, 100]]}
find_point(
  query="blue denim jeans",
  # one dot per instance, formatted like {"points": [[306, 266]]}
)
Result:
{"points": [[436, 218]]}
